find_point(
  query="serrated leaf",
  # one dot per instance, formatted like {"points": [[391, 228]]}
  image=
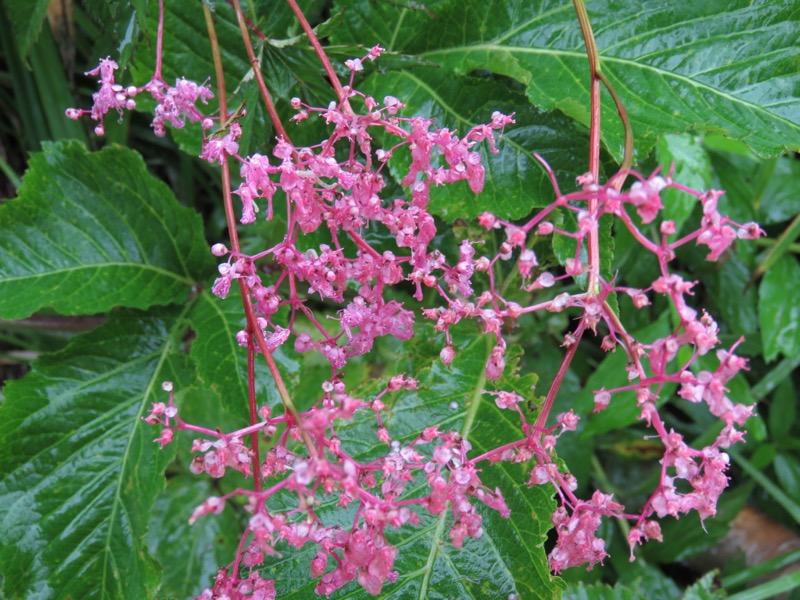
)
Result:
{"points": [[92, 231], [717, 65], [778, 310], [80, 471], [218, 357]]}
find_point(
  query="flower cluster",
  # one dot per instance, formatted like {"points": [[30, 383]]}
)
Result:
{"points": [[174, 104], [439, 460], [339, 187]]}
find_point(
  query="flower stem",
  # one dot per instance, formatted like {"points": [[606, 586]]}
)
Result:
{"points": [[251, 392], [254, 63], [247, 303], [593, 243], [323, 58], [159, 41]]}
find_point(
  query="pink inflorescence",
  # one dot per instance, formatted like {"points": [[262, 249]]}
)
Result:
{"points": [[338, 186], [174, 104]]}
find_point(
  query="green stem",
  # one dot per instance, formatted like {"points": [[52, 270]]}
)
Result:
{"points": [[9, 172], [594, 140], [770, 242]]}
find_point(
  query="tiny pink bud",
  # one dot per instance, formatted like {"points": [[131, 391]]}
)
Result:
{"points": [[545, 228], [219, 249], [447, 354], [165, 437], [640, 300], [395, 383], [487, 220]]}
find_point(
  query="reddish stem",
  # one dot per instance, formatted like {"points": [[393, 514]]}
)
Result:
{"points": [[262, 86], [323, 58], [594, 140], [159, 41], [541, 420], [251, 389], [230, 217]]}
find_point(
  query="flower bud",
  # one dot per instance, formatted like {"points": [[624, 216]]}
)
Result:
{"points": [[446, 355]]}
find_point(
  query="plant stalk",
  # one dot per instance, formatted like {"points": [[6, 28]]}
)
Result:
{"points": [[247, 304]]}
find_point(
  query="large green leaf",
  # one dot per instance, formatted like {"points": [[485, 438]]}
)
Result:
{"points": [[719, 65], [79, 471], [89, 232], [194, 553], [120, 22], [778, 309]]}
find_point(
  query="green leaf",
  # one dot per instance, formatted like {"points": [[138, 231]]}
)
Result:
{"points": [[705, 588], [192, 553], [783, 411], [787, 470], [221, 362], [778, 310], [80, 471], [780, 199], [649, 582], [89, 232], [27, 19], [735, 302], [717, 65], [600, 591]]}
